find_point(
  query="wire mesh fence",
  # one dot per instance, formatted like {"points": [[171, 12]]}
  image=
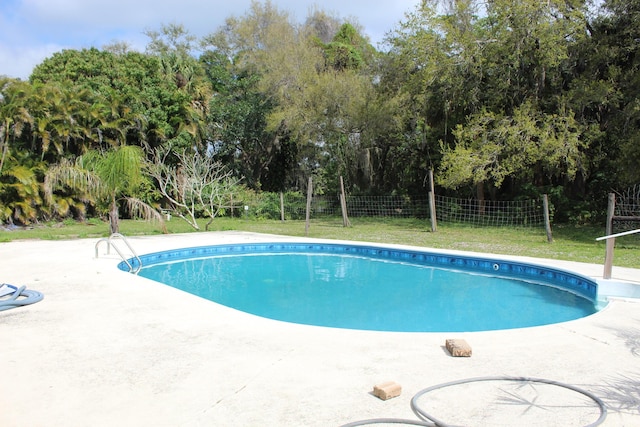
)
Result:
{"points": [[627, 207], [293, 206], [489, 213], [388, 206]]}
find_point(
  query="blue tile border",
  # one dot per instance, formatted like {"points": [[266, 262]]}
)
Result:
{"points": [[566, 280]]}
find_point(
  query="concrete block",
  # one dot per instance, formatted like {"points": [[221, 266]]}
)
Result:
{"points": [[458, 348], [387, 390]]}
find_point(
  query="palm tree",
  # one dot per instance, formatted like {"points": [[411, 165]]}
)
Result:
{"points": [[112, 119], [20, 190], [14, 116], [111, 175], [59, 111]]}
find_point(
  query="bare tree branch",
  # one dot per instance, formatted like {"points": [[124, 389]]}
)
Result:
{"points": [[198, 185]]}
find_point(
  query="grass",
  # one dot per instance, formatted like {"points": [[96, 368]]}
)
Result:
{"points": [[572, 243]]}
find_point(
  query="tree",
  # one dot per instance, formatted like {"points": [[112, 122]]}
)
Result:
{"points": [[606, 91], [112, 176], [322, 25], [300, 91], [238, 118], [173, 45], [348, 50], [492, 147], [259, 61], [479, 64], [63, 125], [14, 114], [131, 86], [198, 184], [20, 192], [170, 39]]}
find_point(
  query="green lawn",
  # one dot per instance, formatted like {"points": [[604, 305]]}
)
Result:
{"points": [[571, 243]]}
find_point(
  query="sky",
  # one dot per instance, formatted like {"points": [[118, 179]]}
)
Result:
{"points": [[32, 30]]}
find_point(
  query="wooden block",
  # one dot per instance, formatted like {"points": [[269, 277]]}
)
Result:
{"points": [[386, 391], [458, 348]]}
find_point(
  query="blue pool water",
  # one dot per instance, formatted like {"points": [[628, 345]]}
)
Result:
{"points": [[370, 288]]}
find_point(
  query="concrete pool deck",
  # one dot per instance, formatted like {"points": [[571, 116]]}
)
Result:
{"points": [[108, 348]]}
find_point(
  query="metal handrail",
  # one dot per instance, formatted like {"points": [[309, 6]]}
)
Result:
{"points": [[126, 242], [613, 236], [608, 257]]}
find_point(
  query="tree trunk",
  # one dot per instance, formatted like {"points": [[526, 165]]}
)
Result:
{"points": [[5, 148], [114, 226]]}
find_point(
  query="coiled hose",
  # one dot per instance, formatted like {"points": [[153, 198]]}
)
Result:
{"points": [[430, 421], [14, 300]]}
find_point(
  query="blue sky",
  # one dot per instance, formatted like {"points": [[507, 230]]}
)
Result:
{"points": [[32, 30]]}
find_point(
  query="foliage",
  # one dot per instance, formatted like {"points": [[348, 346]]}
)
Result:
{"points": [[610, 86], [501, 97], [492, 147], [14, 115], [21, 199], [239, 115], [267, 205], [348, 50], [110, 176], [131, 88], [198, 186]]}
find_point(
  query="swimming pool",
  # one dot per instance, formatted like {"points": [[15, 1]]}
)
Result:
{"points": [[374, 288]]}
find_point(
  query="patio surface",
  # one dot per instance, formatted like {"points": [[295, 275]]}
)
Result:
{"points": [[108, 348]]}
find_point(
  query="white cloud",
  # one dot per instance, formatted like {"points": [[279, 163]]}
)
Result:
{"points": [[19, 62]]}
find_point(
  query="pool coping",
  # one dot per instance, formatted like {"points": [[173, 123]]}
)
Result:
{"points": [[106, 347]]}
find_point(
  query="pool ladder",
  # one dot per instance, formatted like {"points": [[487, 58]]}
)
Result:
{"points": [[110, 245]]}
